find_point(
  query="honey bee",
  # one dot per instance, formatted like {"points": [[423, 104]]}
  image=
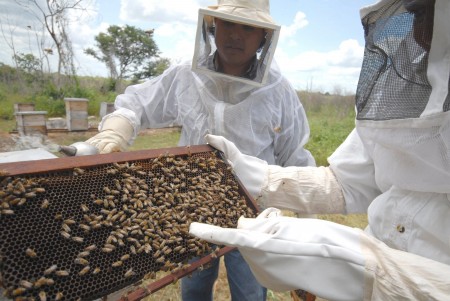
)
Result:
{"points": [[66, 228], [58, 296], [40, 282], [62, 273], [90, 248], [45, 204], [42, 296], [69, 221], [7, 211], [84, 227], [84, 254], [22, 201], [31, 253], [65, 234], [160, 259], [78, 171], [117, 264], [129, 273], [84, 208], [107, 250], [26, 284], [111, 171], [98, 201], [50, 269], [39, 189], [18, 291], [82, 261], [125, 257], [30, 195], [78, 239], [96, 271], [84, 270]]}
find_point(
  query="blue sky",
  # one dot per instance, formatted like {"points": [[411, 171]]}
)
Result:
{"points": [[320, 47]]}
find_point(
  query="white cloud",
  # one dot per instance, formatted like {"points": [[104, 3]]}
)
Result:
{"points": [[158, 11], [300, 22], [175, 40], [175, 25], [323, 70]]}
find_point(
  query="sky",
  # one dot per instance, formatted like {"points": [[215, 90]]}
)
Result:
{"points": [[320, 47]]}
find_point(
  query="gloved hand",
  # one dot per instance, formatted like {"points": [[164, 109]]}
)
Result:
{"points": [[332, 261], [251, 171], [287, 253], [114, 136], [304, 189]]}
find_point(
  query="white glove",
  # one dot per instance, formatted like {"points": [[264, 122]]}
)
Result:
{"points": [[332, 261], [115, 135], [251, 171], [300, 189]]}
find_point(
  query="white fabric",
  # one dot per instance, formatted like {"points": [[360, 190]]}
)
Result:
{"points": [[251, 171], [332, 261], [115, 133], [252, 10], [398, 171], [393, 275], [288, 253], [267, 122], [400, 182], [309, 190]]}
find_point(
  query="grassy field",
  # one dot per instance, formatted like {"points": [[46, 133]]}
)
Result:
{"points": [[331, 120]]}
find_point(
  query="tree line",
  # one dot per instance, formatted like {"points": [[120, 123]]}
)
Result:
{"points": [[129, 53]]}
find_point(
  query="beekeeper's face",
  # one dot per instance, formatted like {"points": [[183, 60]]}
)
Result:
{"points": [[423, 11], [237, 44]]}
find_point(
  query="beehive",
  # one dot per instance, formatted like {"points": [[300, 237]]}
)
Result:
{"points": [[77, 114], [106, 108], [20, 107], [31, 122], [81, 228]]}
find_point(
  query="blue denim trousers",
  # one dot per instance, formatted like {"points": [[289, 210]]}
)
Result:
{"points": [[243, 285]]}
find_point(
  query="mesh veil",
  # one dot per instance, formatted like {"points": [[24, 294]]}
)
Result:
{"points": [[394, 83]]}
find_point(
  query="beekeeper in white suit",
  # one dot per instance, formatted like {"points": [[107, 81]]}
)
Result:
{"points": [[395, 166], [231, 89]]}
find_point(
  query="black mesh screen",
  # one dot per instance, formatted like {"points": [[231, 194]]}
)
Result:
{"points": [[447, 101], [393, 82]]}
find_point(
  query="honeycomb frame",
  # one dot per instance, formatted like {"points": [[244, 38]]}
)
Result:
{"points": [[80, 228]]}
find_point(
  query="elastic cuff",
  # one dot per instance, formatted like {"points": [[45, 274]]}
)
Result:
{"points": [[119, 125]]}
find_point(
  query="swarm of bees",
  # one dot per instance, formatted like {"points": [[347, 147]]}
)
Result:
{"points": [[89, 232]]}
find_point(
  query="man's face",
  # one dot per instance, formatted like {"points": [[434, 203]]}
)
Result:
{"points": [[423, 11], [237, 45]]}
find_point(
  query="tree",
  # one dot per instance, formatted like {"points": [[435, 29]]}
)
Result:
{"points": [[128, 52], [152, 69], [54, 16], [28, 62]]}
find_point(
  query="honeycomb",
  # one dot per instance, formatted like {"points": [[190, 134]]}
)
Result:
{"points": [[83, 233]]}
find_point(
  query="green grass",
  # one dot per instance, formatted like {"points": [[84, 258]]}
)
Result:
{"points": [[158, 139], [7, 125]]}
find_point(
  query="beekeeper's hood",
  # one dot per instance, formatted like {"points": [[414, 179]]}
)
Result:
{"points": [[254, 13], [406, 68]]}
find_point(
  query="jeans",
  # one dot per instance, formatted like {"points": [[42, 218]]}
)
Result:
{"points": [[243, 285]]}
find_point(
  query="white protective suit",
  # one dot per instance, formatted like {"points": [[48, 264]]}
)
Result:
{"points": [[268, 122], [395, 166]]}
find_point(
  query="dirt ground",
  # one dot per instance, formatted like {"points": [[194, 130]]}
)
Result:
{"points": [[12, 141]]}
